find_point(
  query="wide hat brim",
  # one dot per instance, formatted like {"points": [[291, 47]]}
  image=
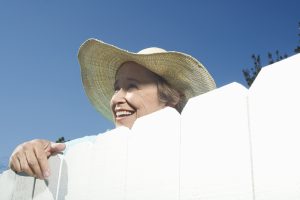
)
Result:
{"points": [[99, 63]]}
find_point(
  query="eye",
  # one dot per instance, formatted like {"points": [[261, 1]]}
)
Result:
{"points": [[132, 86]]}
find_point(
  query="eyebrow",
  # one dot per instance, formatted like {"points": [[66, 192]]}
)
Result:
{"points": [[132, 79], [129, 79]]}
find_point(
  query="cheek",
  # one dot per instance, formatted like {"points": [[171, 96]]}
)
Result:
{"points": [[134, 99], [145, 102]]}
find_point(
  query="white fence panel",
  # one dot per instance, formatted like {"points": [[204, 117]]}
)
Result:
{"points": [[153, 157], [7, 184], [215, 148], [275, 129], [108, 165]]}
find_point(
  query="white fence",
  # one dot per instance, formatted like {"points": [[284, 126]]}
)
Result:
{"points": [[231, 143]]}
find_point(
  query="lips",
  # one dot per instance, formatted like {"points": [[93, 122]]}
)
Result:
{"points": [[120, 113], [123, 113]]}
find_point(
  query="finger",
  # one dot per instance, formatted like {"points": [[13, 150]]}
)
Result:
{"points": [[57, 147], [42, 160], [46, 144], [14, 164], [24, 165], [43, 145], [34, 164]]}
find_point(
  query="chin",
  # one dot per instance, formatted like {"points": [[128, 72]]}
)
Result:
{"points": [[126, 121], [126, 124]]}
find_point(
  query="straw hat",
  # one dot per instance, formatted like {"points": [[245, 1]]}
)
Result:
{"points": [[100, 61]]}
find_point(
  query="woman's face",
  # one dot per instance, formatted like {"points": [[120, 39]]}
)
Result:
{"points": [[135, 94]]}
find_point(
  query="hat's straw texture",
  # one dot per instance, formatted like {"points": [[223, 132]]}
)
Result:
{"points": [[100, 61]]}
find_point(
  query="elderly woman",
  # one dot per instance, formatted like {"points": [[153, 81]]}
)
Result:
{"points": [[123, 86]]}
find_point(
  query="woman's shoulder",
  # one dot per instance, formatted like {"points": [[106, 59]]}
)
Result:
{"points": [[85, 139]]}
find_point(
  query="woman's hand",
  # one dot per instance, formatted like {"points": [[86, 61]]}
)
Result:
{"points": [[32, 157]]}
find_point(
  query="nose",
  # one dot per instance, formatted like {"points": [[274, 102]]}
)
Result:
{"points": [[119, 97]]}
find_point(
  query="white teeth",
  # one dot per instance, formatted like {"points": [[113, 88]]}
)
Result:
{"points": [[123, 113]]}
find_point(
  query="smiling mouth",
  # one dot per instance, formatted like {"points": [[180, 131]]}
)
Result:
{"points": [[123, 113]]}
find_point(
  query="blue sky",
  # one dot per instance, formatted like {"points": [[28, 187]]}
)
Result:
{"points": [[41, 91]]}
